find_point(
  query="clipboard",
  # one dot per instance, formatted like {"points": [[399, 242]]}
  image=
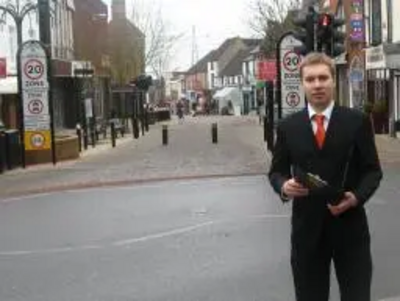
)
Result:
{"points": [[318, 186]]}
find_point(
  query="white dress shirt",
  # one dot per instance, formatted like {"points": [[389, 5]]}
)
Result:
{"points": [[327, 115]]}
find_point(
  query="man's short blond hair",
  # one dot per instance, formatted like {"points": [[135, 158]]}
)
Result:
{"points": [[318, 58]]}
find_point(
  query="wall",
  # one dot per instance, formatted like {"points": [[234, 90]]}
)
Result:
{"points": [[90, 20]]}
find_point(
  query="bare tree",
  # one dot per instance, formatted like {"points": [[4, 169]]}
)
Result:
{"points": [[271, 19], [160, 40]]}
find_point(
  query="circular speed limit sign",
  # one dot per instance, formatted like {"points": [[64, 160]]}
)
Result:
{"points": [[33, 69], [37, 140], [291, 61]]}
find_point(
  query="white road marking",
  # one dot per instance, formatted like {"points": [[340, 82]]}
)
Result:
{"points": [[162, 234], [391, 299], [146, 238]]}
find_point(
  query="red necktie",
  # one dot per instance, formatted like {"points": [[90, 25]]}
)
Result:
{"points": [[320, 133]]}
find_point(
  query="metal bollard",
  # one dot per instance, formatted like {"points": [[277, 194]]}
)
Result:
{"points": [[146, 120], [2, 152], [214, 133], [142, 123], [113, 138], [135, 128], [79, 134], [265, 128], [92, 134], [165, 134], [85, 138]]}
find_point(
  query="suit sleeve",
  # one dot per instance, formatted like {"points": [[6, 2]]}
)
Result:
{"points": [[280, 164], [369, 167]]}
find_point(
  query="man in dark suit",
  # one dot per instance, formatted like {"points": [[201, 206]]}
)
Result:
{"points": [[337, 145]]}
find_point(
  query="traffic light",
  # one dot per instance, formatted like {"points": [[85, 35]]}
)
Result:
{"points": [[306, 32], [338, 37], [143, 82], [329, 38]]}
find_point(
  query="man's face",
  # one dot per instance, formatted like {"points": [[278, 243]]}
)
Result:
{"points": [[318, 84]]}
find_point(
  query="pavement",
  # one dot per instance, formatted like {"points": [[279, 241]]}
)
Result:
{"points": [[190, 153]]}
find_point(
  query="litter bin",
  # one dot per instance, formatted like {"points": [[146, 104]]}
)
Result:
{"points": [[13, 151]]}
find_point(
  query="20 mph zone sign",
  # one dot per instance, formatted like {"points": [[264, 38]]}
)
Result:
{"points": [[293, 98], [33, 67], [35, 96]]}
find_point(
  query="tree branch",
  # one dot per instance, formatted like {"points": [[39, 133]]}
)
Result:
{"points": [[160, 41]]}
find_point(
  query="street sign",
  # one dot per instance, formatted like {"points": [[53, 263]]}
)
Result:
{"points": [[33, 66], [37, 140], [292, 94], [35, 96], [293, 99], [35, 103]]}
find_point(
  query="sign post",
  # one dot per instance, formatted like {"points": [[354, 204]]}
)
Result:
{"points": [[37, 113], [290, 92]]}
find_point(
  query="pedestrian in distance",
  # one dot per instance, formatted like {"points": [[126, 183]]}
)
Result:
{"points": [[326, 163]]}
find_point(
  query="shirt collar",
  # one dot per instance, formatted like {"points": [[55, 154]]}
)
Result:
{"points": [[327, 112]]}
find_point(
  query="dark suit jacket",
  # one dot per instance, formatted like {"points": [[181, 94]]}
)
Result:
{"points": [[296, 146]]}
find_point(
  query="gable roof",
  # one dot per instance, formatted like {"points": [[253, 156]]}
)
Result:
{"points": [[214, 55], [201, 65], [234, 67]]}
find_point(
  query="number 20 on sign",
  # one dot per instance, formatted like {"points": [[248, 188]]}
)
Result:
{"points": [[34, 69], [291, 61]]}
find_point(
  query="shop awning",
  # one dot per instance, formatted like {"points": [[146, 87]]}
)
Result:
{"points": [[224, 92], [9, 85]]}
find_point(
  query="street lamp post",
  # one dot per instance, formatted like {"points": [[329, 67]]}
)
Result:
{"points": [[18, 13]]}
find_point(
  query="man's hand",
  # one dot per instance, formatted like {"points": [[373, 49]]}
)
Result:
{"points": [[348, 202], [293, 189]]}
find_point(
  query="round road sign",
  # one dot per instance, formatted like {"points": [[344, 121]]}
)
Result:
{"points": [[35, 106], [34, 69], [37, 140], [293, 99], [291, 61]]}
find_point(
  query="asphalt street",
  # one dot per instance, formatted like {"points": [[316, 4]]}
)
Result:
{"points": [[217, 239]]}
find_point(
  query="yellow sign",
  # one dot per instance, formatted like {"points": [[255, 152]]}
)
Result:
{"points": [[37, 140]]}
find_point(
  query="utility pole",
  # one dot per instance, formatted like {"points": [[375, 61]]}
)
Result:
{"points": [[45, 39]]}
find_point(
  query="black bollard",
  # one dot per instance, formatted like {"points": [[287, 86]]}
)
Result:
{"points": [[2, 152], [135, 128], [79, 134], [165, 134], [214, 133], [93, 134], [265, 128], [113, 136], [146, 119]]}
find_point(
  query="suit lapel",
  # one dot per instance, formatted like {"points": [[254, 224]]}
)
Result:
{"points": [[308, 131]]}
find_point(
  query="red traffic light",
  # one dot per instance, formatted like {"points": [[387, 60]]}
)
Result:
{"points": [[325, 20]]}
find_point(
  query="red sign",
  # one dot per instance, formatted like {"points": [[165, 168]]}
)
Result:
{"points": [[266, 70], [3, 67]]}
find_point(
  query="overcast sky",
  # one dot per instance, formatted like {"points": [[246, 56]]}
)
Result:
{"points": [[214, 20]]}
